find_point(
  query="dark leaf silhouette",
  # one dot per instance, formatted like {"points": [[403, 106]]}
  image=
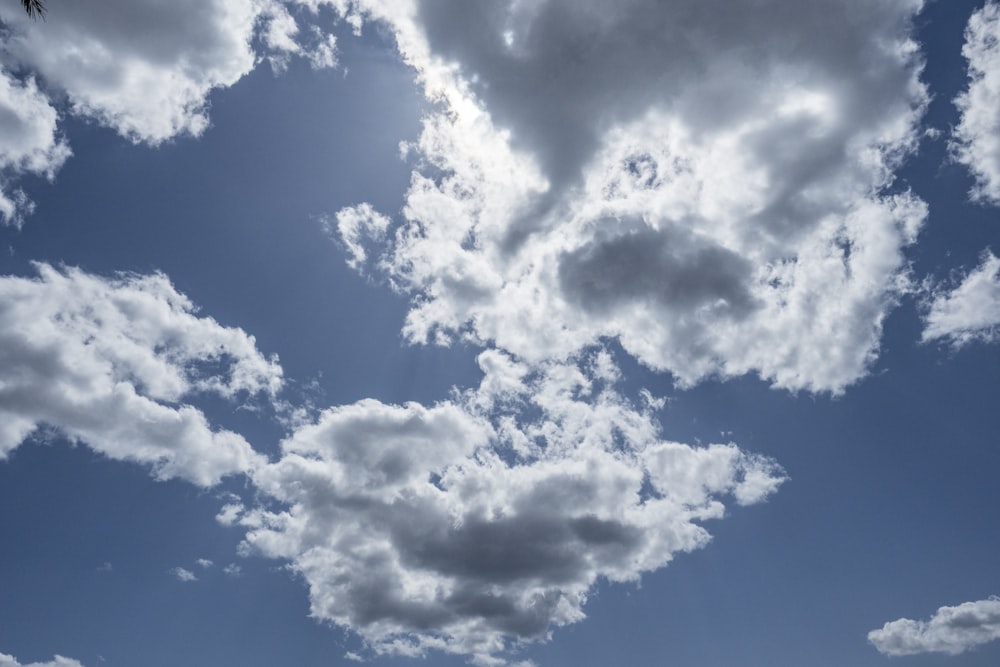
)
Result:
{"points": [[35, 8]]}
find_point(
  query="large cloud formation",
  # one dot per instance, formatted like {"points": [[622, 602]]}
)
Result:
{"points": [[479, 524], [141, 67], [470, 526], [708, 182], [977, 137], [107, 362], [970, 311], [952, 630]]}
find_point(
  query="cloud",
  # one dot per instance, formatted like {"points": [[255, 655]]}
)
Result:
{"points": [[204, 563], [951, 630], [141, 67], [57, 661], [29, 142], [109, 362], [970, 311], [232, 570], [711, 188], [977, 137], [146, 68], [483, 522], [183, 574]]}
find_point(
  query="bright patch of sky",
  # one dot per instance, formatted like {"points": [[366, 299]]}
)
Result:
{"points": [[511, 333]]}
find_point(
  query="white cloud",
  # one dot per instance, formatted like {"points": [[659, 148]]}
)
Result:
{"points": [[57, 661], [204, 563], [108, 362], [709, 187], [483, 522], [142, 67], [951, 630], [29, 142], [232, 570], [969, 312], [977, 137], [183, 574], [146, 68]]}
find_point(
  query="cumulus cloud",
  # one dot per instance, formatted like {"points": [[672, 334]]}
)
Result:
{"points": [[970, 311], [57, 661], [29, 142], [709, 187], [141, 67], [481, 523], [182, 574], [146, 68], [951, 630], [109, 362], [977, 137]]}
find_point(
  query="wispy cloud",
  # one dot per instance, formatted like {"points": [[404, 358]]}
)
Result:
{"points": [[970, 311], [183, 574]]}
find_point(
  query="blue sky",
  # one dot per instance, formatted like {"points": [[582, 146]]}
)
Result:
{"points": [[506, 333]]}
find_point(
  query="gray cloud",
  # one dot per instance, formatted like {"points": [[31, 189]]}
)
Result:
{"points": [[747, 147], [665, 267], [470, 527]]}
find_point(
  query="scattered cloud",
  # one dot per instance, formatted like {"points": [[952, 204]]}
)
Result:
{"points": [[108, 362], [57, 661], [969, 312], [470, 527], [204, 563], [105, 567], [183, 574], [977, 137], [951, 630], [713, 189], [232, 570]]}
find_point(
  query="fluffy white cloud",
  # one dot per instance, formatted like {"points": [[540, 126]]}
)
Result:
{"points": [[481, 523], [57, 661], [142, 67], [708, 186], [183, 574], [969, 312], [29, 141], [145, 68], [951, 630], [977, 137], [108, 362]]}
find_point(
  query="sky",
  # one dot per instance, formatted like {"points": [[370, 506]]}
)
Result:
{"points": [[544, 333]]}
